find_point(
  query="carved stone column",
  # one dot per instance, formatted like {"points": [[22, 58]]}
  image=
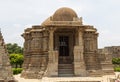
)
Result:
{"points": [[51, 31], [52, 68], [79, 64]]}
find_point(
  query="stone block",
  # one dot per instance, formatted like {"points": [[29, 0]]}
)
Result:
{"points": [[11, 81], [1, 80]]}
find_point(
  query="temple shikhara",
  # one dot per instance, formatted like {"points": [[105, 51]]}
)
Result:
{"points": [[62, 46], [6, 74]]}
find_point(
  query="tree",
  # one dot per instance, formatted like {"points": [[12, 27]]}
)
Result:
{"points": [[14, 48], [16, 59], [16, 54]]}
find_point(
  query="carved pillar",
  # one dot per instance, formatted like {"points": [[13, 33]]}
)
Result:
{"points": [[52, 68], [79, 64], [51, 31]]}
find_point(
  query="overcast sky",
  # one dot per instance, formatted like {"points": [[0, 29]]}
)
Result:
{"points": [[16, 15]]}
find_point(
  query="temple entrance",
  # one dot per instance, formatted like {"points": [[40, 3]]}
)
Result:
{"points": [[64, 41], [63, 46], [64, 56], [65, 66]]}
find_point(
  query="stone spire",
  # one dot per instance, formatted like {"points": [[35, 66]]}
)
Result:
{"points": [[5, 67], [1, 39]]}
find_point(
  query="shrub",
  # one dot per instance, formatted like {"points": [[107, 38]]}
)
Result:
{"points": [[117, 69], [116, 60], [17, 70]]}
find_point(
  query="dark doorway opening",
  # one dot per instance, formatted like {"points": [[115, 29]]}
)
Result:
{"points": [[63, 46]]}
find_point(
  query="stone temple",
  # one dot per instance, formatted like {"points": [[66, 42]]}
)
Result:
{"points": [[6, 74], [62, 46]]}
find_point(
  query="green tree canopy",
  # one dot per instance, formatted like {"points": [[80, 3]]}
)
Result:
{"points": [[14, 48], [16, 59]]}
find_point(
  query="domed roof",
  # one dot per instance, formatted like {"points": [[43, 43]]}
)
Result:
{"points": [[46, 21], [64, 14]]}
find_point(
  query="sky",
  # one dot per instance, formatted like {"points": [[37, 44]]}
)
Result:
{"points": [[17, 15]]}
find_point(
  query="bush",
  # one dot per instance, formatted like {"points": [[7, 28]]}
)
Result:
{"points": [[116, 60], [17, 70], [117, 69]]}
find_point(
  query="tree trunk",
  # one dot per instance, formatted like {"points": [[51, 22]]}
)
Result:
{"points": [[16, 66]]}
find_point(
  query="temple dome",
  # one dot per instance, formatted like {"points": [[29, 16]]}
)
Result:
{"points": [[64, 14], [47, 21]]}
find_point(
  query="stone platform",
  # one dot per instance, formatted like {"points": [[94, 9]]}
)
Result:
{"points": [[108, 78]]}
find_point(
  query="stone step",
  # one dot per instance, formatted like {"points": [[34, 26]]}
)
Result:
{"points": [[65, 71], [65, 66], [95, 74], [66, 75], [65, 62]]}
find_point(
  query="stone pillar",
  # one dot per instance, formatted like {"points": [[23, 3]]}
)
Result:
{"points": [[51, 31], [79, 64], [52, 68]]}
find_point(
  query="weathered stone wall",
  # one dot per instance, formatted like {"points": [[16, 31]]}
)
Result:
{"points": [[90, 50], [35, 52], [114, 51], [105, 56]]}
